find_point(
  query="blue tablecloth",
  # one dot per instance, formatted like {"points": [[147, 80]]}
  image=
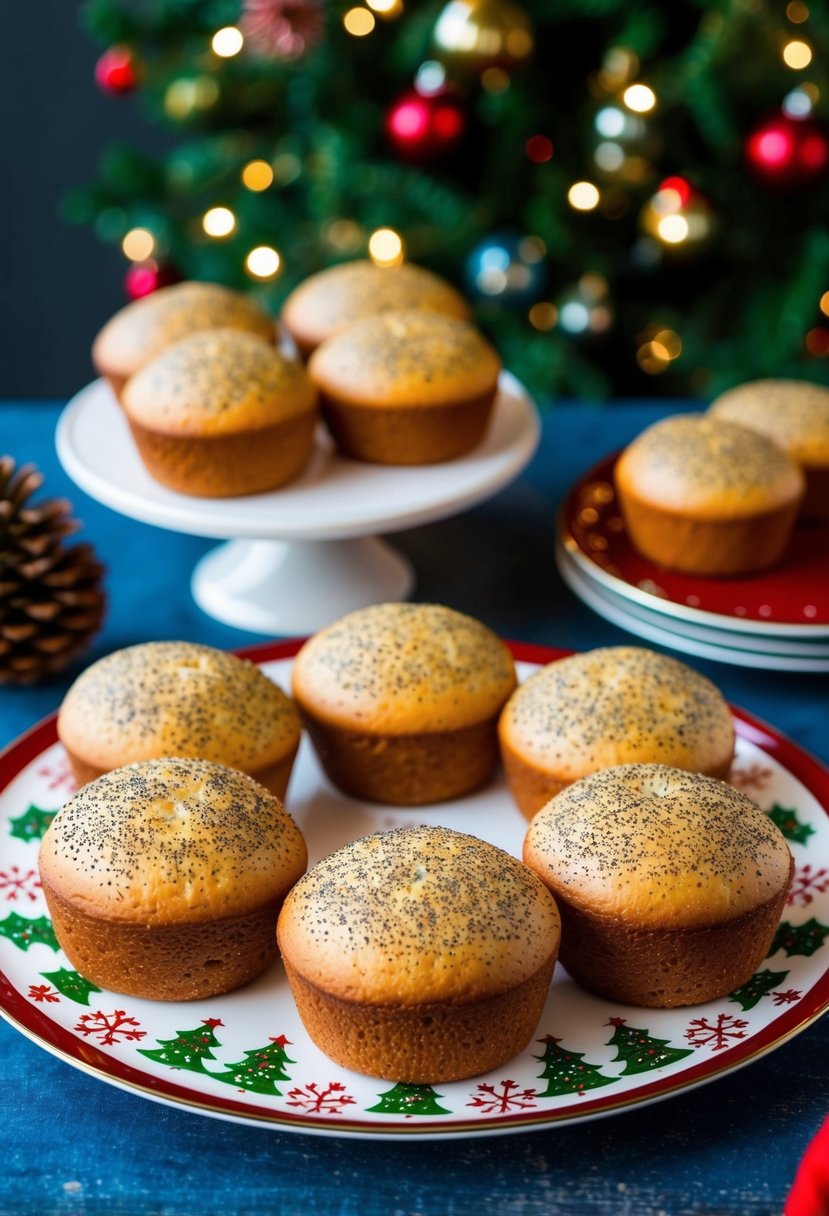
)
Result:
{"points": [[74, 1145]]}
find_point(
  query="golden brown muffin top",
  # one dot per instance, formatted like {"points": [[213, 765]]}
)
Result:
{"points": [[418, 915], [794, 413], [177, 699], [217, 382], [658, 848], [142, 328], [701, 465], [401, 668], [330, 300], [617, 705], [171, 841], [406, 358]]}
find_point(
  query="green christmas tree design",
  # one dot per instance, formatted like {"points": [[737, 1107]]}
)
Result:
{"points": [[800, 939], [24, 931], [639, 1050], [408, 1099], [261, 1068], [786, 819], [32, 824], [190, 1049], [71, 984], [757, 987], [566, 1072]]}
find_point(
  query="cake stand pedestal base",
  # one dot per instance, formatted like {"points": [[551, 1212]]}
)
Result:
{"points": [[284, 588]]}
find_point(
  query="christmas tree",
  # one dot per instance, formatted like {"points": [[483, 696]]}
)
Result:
{"points": [[261, 1068], [406, 1098], [189, 1049], [566, 1072], [632, 194], [640, 1051]]}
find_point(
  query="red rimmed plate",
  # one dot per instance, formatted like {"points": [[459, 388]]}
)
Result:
{"points": [[792, 600], [245, 1056]]}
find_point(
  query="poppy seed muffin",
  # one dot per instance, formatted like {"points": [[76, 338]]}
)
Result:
{"points": [[327, 302], [421, 955], [164, 879], [406, 388], [795, 414], [613, 705], [179, 699], [401, 701], [703, 495], [670, 884], [143, 328], [222, 413]]}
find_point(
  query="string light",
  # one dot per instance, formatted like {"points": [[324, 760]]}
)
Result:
{"points": [[386, 8], [797, 12], [227, 41], [385, 247], [184, 97], [218, 221], [824, 303], [359, 22], [495, 80], [263, 262], [543, 315], [797, 55], [583, 196], [658, 347], [257, 175], [431, 77], [138, 244], [639, 98], [539, 149]]}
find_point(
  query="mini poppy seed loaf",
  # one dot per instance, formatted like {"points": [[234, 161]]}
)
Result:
{"points": [[406, 388], [329, 301], [421, 955], [795, 414], [703, 495], [179, 699], [164, 879], [143, 328], [222, 413], [613, 705], [670, 884], [401, 701]]}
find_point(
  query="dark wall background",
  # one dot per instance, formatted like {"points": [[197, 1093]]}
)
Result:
{"points": [[59, 283]]}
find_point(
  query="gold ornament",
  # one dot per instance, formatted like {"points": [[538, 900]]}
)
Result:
{"points": [[477, 35]]}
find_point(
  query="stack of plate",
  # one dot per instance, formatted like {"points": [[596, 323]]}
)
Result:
{"points": [[777, 620]]}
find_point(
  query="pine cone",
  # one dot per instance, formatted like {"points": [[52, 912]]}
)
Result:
{"points": [[51, 599]]}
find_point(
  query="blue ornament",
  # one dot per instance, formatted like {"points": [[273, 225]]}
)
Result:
{"points": [[507, 268]]}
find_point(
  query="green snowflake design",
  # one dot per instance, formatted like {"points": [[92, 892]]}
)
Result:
{"points": [[803, 939], [789, 824]]}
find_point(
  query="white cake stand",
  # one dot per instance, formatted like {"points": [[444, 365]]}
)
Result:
{"points": [[299, 557]]}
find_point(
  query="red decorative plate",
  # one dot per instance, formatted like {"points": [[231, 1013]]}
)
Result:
{"points": [[792, 600], [245, 1056]]}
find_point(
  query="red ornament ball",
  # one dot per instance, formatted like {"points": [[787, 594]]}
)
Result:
{"points": [[425, 126], [787, 153], [143, 278], [117, 70]]}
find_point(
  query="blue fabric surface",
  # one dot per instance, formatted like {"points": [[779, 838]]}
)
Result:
{"points": [[74, 1145]]}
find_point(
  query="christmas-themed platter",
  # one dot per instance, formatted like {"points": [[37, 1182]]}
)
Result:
{"points": [[320, 533], [246, 1057], [778, 618]]}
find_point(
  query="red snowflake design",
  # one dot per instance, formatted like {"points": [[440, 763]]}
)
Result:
{"points": [[501, 1099], [786, 998], [702, 1033], [58, 776], [43, 992], [316, 1100], [755, 776], [110, 1028], [15, 883], [806, 883]]}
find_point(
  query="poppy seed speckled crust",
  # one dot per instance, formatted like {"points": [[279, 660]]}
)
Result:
{"points": [[612, 705], [164, 879], [423, 954], [142, 328], [794, 413], [177, 699], [326, 302]]}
